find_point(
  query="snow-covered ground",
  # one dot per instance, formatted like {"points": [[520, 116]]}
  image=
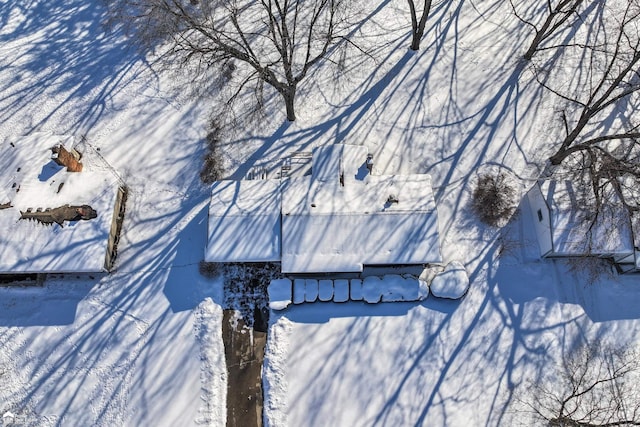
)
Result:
{"points": [[462, 106], [442, 362], [142, 345]]}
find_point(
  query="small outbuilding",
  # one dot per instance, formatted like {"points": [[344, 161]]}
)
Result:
{"points": [[568, 225]]}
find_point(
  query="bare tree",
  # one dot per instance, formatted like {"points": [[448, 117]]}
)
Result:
{"points": [[418, 25], [276, 42], [594, 387], [558, 15], [600, 120]]}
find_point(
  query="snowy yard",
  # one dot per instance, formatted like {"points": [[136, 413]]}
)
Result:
{"points": [[143, 346], [441, 362]]}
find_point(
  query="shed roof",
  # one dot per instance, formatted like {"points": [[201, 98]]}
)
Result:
{"points": [[575, 227], [29, 179]]}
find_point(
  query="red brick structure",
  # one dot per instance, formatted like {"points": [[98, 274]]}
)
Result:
{"points": [[61, 156]]}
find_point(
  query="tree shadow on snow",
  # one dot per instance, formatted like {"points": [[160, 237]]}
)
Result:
{"points": [[68, 61]]}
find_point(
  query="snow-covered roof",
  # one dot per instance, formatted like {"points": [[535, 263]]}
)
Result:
{"points": [[341, 220], [330, 227], [244, 222], [29, 179], [576, 230], [337, 219]]}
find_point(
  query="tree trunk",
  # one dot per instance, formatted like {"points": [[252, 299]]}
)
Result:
{"points": [[558, 158], [289, 95], [533, 48], [415, 41], [417, 27]]}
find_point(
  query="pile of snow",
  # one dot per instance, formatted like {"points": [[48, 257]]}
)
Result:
{"points": [[452, 283], [274, 381], [393, 287], [310, 290], [325, 290], [279, 294], [8, 418], [340, 290], [213, 375]]}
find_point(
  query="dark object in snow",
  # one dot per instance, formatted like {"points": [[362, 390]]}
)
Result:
{"points": [[370, 162], [213, 167], [68, 159], [209, 270], [494, 199], [393, 199], [60, 214]]}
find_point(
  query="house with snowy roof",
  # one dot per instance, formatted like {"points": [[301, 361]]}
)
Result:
{"points": [[56, 214], [338, 218], [567, 225]]}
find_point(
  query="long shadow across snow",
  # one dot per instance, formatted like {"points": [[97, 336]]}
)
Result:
{"points": [[67, 60]]}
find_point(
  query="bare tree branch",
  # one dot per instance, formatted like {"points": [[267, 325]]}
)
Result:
{"points": [[601, 120], [279, 40], [594, 387], [559, 15]]}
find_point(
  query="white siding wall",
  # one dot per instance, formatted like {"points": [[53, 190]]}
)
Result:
{"points": [[540, 219]]}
